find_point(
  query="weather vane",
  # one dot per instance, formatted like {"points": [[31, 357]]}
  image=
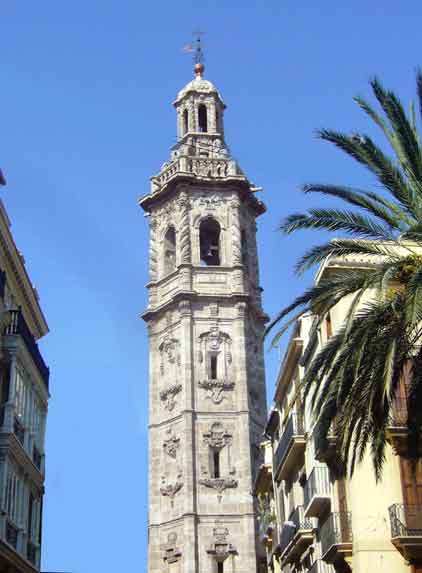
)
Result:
{"points": [[197, 51]]}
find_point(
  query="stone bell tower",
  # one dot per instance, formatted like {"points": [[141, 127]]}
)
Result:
{"points": [[207, 399]]}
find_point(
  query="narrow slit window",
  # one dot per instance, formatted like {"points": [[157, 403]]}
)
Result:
{"points": [[185, 122], [170, 250], [209, 240], [202, 118], [220, 566], [213, 367], [216, 461]]}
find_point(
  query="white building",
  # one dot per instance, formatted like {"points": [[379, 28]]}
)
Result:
{"points": [[24, 380]]}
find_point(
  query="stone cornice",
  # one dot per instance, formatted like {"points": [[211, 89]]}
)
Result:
{"points": [[15, 264], [211, 516], [237, 183], [150, 313], [206, 414]]}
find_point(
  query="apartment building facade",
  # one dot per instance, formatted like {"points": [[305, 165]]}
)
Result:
{"points": [[24, 382], [312, 519]]}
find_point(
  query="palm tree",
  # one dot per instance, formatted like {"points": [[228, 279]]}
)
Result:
{"points": [[355, 377]]}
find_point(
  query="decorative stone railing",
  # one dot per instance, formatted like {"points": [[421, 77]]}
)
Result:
{"points": [[205, 167]]}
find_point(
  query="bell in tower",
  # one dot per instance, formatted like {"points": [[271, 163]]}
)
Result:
{"points": [[207, 399]]}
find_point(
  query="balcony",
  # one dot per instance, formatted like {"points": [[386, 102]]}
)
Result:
{"points": [[291, 447], [317, 492], [336, 537], [11, 535], [397, 428], [19, 431], [406, 529], [37, 458], [325, 448], [296, 535], [18, 327], [31, 552], [319, 566]]}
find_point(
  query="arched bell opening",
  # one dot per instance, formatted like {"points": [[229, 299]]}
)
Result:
{"points": [[170, 250], [202, 118], [209, 241]]}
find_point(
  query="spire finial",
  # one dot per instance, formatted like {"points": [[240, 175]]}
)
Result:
{"points": [[198, 54]]}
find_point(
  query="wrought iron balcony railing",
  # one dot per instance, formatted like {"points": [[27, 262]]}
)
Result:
{"points": [[297, 521], [405, 520], [19, 327], [293, 428], [11, 534], [36, 457], [19, 431], [398, 416], [31, 552], [336, 530], [319, 566], [317, 491]]}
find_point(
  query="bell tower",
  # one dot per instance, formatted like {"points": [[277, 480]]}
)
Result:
{"points": [[207, 398]]}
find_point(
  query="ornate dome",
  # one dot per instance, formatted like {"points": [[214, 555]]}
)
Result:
{"points": [[198, 85]]}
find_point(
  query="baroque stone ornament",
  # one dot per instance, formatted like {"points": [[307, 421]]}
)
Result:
{"points": [[172, 554], [235, 232], [215, 389], [185, 245], [220, 547], [169, 350], [219, 484], [218, 437], [171, 444], [211, 201], [169, 489], [168, 396]]}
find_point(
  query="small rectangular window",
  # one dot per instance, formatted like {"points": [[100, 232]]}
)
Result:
{"points": [[213, 367], [216, 460]]}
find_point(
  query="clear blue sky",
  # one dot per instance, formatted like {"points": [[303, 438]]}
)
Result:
{"points": [[86, 118]]}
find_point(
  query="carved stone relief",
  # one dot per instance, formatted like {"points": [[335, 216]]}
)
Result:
{"points": [[169, 489], [216, 388], [220, 547], [170, 361], [172, 553], [217, 344], [168, 396], [217, 437], [171, 444], [219, 484]]}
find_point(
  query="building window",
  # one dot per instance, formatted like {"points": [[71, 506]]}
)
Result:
{"points": [[216, 463], [220, 566], [202, 118], [213, 367], [185, 122], [170, 250], [217, 120], [209, 240]]}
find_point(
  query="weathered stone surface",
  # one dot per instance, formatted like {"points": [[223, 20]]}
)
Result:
{"points": [[207, 391]]}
